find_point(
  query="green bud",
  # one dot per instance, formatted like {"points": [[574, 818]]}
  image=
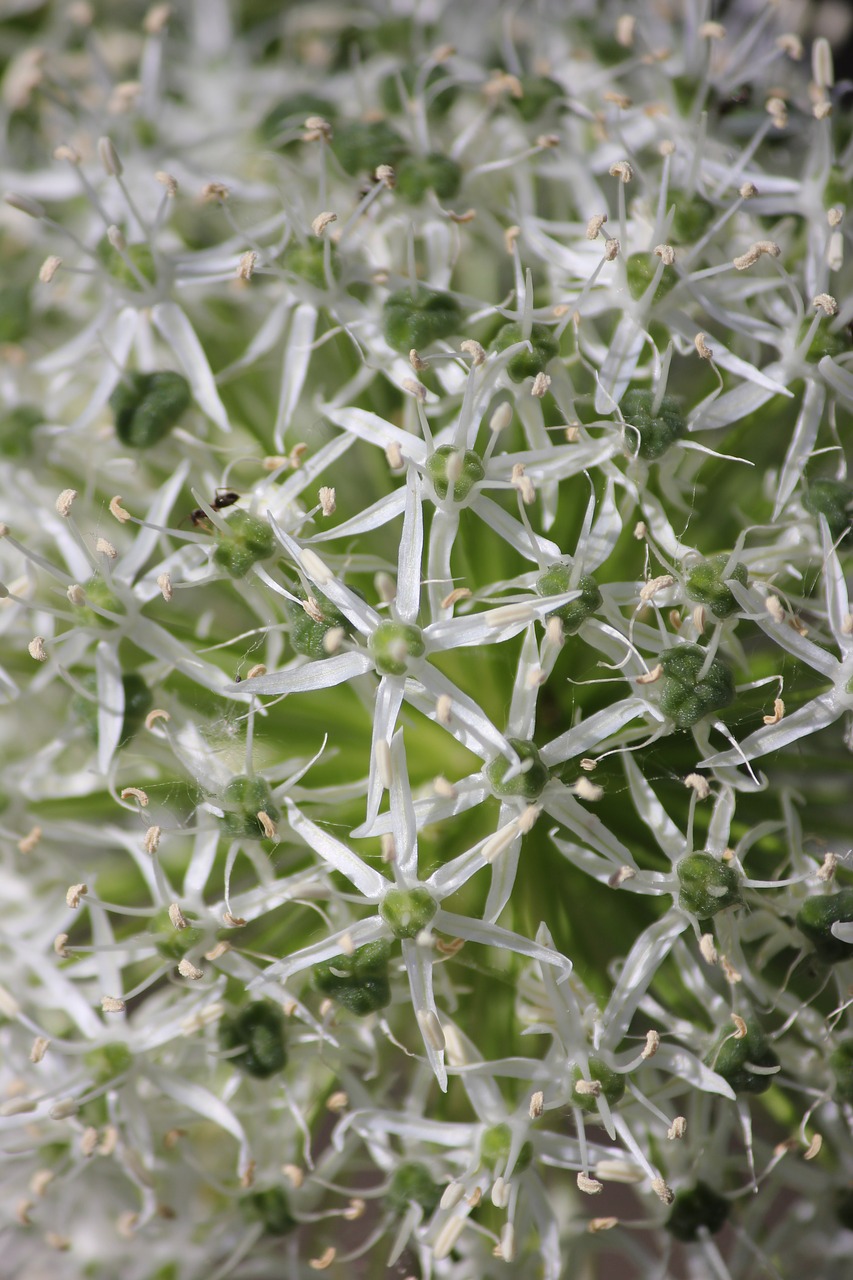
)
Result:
{"points": [[407, 912], [841, 1065], [307, 635], [257, 1031], [705, 585], [416, 175], [417, 319], [108, 1061], [289, 115], [147, 405], [695, 1210], [527, 363], [656, 432], [612, 1085], [529, 784], [734, 1060], [684, 696], [362, 145], [139, 254], [495, 1146], [412, 1183], [307, 259], [640, 269], [244, 798], [248, 539], [466, 469], [555, 580], [358, 982], [708, 885], [693, 215], [392, 644], [538, 93], [832, 499], [270, 1207], [815, 919]]}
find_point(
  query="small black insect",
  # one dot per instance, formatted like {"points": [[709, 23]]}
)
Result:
{"points": [[222, 498]]}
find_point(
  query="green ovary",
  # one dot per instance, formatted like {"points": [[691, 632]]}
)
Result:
{"points": [[527, 363], [685, 696], [557, 579], [393, 644], [707, 885], [453, 466], [705, 585], [407, 912], [530, 783]]}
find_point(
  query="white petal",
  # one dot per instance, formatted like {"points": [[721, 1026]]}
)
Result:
{"points": [[418, 962], [297, 357], [368, 881], [324, 674], [181, 337], [410, 554], [110, 703], [802, 443]]}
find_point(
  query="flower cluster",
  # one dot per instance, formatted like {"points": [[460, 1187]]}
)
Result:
{"points": [[427, 660]]}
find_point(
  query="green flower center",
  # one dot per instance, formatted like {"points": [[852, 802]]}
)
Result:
{"points": [[704, 584], [248, 540], [695, 1209], [393, 646], [417, 319], [641, 269], [735, 1059], [656, 429], [529, 783], [407, 912], [244, 798], [495, 1146], [412, 1183], [685, 696], [532, 360], [707, 885], [451, 467], [612, 1085], [557, 579]]}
